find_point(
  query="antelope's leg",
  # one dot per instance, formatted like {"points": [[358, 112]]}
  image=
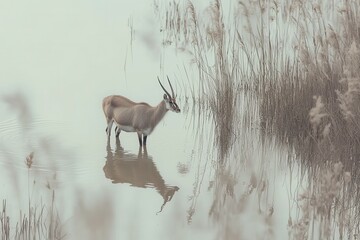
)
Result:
{"points": [[144, 139], [117, 131], [108, 129], [139, 137]]}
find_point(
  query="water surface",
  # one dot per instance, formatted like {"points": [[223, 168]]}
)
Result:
{"points": [[52, 86]]}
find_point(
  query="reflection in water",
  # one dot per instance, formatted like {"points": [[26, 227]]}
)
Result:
{"points": [[137, 170]]}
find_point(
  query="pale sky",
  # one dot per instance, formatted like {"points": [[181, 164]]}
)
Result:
{"points": [[56, 44]]}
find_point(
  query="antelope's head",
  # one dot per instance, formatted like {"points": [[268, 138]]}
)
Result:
{"points": [[170, 100]]}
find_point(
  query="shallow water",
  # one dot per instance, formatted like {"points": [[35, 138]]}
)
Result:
{"points": [[51, 91], [117, 189]]}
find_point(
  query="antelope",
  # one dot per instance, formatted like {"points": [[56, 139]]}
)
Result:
{"points": [[137, 117]]}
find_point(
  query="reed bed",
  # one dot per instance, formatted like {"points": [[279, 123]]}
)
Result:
{"points": [[216, 69], [39, 220], [326, 210], [301, 59]]}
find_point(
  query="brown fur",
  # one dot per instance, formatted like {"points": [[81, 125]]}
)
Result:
{"points": [[125, 112]]}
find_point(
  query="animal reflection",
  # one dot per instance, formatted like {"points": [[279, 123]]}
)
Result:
{"points": [[137, 170]]}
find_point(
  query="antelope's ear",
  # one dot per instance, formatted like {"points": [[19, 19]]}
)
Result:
{"points": [[166, 97]]}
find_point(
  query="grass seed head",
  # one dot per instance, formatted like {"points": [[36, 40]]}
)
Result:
{"points": [[29, 160]]}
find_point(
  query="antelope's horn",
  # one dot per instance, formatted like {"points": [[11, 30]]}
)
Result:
{"points": [[164, 88], [172, 90]]}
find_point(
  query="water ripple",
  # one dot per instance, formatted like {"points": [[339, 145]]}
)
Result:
{"points": [[17, 140]]}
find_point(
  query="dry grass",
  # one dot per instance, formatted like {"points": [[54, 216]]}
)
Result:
{"points": [[40, 220], [302, 60], [5, 223], [291, 54], [209, 46], [326, 210]]}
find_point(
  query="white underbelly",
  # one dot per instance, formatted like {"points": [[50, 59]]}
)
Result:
{"points": [[146, 131], [126, 128]]}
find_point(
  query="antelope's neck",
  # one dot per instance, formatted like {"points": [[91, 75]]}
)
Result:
{"points": [[158, 114]]}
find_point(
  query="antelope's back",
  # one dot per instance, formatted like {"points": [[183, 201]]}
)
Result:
{"points": [[118, 101]]}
